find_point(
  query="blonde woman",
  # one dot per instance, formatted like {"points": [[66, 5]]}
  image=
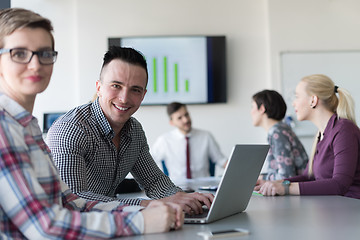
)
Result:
{"points": [[334, 165], [34, 202]]}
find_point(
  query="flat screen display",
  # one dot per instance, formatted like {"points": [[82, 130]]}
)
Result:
{"points": [[49, 119], [188, 69]]}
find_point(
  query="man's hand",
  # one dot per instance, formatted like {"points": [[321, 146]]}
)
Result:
{"points": [[191, 203]]}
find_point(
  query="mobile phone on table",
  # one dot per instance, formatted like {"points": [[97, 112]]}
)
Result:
{"points": [[235, 232]]}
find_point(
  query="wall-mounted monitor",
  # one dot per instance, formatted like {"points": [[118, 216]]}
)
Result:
{"points": [[4, 4], [49, 119], [188, 69]]}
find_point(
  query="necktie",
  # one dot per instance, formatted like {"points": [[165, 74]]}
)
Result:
{"points": [[188, 169]]}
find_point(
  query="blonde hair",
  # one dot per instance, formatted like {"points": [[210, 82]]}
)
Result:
{"points": [[324, 88], [12, 19]]}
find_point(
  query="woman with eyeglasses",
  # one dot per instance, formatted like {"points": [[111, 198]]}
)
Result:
{"points": [[334, 164], [34, 202]]}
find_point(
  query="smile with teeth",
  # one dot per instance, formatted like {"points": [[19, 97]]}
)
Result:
{"points": [[121, 108]]}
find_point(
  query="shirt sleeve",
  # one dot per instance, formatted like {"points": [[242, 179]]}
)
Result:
{"points": [[33, 204], [281, 161], [155, 183], [345, 146], [215, 153], [69, 144], [304, 177]]}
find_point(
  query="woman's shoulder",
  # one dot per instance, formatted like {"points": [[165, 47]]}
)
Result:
{"points": [[280, 128], [344, 126], [343, 123]]}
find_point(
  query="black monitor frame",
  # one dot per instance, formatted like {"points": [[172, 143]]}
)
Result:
{"points": [[216, 67]]}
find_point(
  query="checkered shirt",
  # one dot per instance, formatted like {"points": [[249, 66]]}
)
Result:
{"points": [[89, 162]]}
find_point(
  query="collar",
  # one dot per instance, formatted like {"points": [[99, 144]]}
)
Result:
{"points": [[331, 123], [179, 134], [19, 113], [104, 124]]}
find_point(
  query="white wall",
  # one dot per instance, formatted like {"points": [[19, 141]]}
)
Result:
{"points": [[257, 31], [308, 25], [243, 22], [82, 28], [62, 93]]}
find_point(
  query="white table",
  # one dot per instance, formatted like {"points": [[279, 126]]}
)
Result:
{"points": [[285, 217]]}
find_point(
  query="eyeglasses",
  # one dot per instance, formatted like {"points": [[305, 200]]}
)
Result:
{"points": [[22, 55]]}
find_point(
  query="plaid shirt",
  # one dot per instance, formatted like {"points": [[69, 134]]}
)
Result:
{"points": [[90, 163], [34, 202]]}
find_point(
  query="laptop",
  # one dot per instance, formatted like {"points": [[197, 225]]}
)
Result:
{"points": [[237, 183]]}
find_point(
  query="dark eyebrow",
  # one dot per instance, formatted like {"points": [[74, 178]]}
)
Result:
{"points": [[138, 87], [121, 83]]}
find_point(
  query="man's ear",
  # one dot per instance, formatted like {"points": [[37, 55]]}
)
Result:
{"points": [[98, 85]]}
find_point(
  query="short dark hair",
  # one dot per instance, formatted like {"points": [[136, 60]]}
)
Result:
{"points": [[274, 104], [174, 107], [128, 55]]}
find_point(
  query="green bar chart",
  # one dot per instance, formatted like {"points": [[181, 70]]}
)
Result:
{"points": [[165, 75], [154, 75], [177, 68], [165, 79]]}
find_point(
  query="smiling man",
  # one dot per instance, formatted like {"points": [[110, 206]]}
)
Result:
{"points": [[97, 144]]}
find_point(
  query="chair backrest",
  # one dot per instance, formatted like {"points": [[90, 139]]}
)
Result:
{"points": [[165, 170]]}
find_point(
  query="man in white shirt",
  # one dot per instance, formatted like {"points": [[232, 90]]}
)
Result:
{"points": [[171, 147]]}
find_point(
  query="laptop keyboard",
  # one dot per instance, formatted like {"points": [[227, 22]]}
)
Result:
{"points": [[201, 215]]}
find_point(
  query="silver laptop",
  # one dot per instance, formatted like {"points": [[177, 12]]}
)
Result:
{"points": [[237, 183]]}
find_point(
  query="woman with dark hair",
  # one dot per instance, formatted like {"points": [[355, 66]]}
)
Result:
{"points": [[287, 156]]}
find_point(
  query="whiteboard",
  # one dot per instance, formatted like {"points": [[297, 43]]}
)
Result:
{"points": [[343, 67]]}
